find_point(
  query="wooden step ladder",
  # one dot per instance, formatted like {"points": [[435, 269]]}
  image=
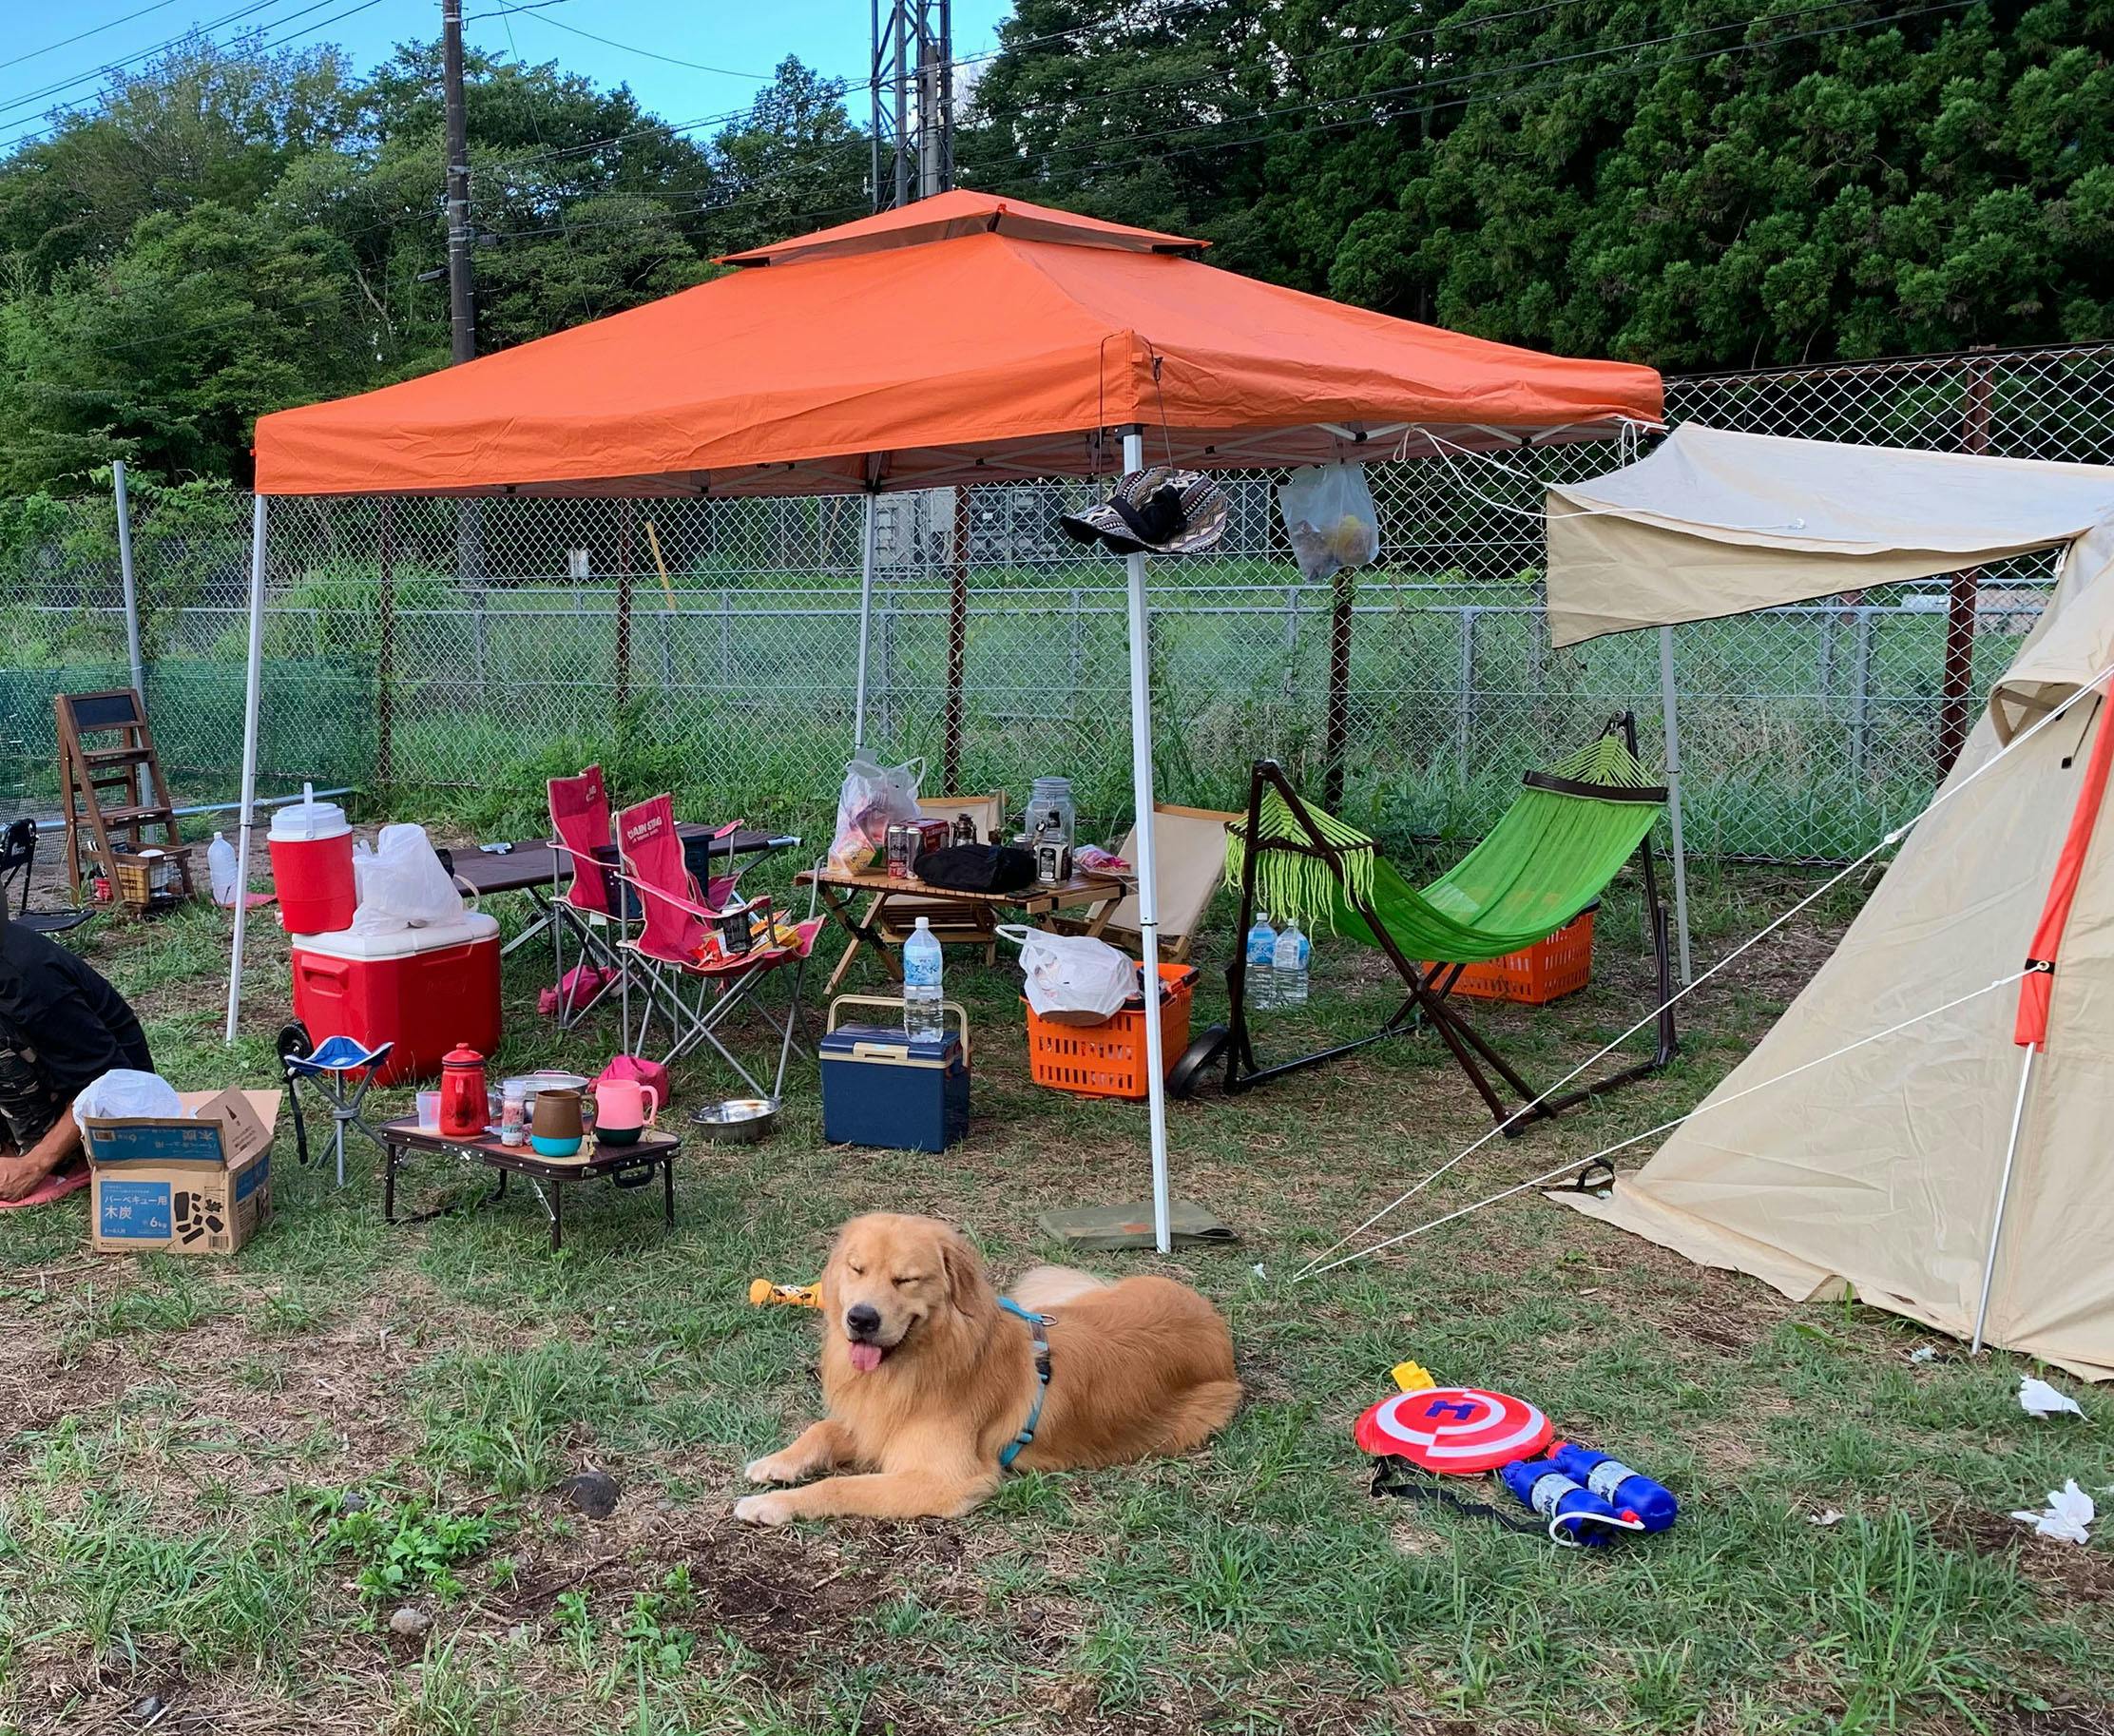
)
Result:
{"points": [[117, 801]]}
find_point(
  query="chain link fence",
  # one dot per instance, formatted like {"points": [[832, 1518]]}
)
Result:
{"points": [[455, 654]]}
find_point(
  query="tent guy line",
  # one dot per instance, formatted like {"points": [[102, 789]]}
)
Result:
{"points": [[1895, 837], [1443, 448], [1570, 1164]]}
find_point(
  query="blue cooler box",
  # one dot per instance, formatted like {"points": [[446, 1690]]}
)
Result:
{"points": [[881, 1087]]}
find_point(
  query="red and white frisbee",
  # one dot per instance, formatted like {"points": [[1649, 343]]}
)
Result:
{"points": [[1457, 1429]]}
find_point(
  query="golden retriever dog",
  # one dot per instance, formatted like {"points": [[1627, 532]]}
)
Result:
{"points": [[927, 1380]]}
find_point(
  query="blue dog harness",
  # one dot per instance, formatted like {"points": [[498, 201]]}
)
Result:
{"points": [[1036, 1324]]}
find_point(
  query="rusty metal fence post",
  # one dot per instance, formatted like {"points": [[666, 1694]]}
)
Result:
{"points": [[1335, 728], [1956, 683], [624, 603], [385, 651], [957, 645]]}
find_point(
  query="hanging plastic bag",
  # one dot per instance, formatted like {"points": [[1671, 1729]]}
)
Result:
{"points": [[401, 884], [1072, 979], [1330, 518], [874, 797]]}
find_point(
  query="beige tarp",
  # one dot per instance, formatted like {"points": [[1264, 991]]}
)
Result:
{"points": [[1715, 524], [1879, 1168]]}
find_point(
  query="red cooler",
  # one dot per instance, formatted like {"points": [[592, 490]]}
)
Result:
{"points": [[311, 866], [425, 990]]}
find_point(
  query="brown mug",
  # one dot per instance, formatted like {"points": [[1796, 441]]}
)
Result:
{"points": [[555, 1129]]}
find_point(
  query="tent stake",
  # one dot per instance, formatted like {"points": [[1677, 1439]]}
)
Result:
{"points": [[1673, 796], [252, 703], [866, 626], [2003, 1199], [1148, 886]]}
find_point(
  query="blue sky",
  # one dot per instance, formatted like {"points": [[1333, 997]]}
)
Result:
{"points": [[39, 67]]}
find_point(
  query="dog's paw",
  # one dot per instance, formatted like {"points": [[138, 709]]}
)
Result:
{"points": [[764, 1510], [773, 1468]]}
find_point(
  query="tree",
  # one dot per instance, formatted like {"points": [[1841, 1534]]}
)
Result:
{"points": [[165, 355], [1687, 183]]}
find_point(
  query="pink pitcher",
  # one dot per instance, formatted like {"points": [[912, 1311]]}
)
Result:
{"points": [[623, 1109]]}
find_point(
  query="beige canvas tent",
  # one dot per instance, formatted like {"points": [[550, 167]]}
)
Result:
{"points": [[1885, 1169]]}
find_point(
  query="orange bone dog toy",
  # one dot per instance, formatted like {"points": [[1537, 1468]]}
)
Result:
{"points": [[763, 1293]]}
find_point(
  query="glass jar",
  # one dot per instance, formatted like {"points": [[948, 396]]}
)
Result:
{"points": [[1049, 809]]}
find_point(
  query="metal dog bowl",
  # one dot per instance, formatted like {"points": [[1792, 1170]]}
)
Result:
{"points": [[739, 1121]]}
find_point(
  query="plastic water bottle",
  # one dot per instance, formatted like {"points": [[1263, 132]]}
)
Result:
{"points": [[1289, 964], [1262, 963], [220, 869], [1561, 1501], [1626, 1491], [922, 1014]]}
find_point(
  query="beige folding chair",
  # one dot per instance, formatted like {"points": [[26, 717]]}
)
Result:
{"points": [[953, 923], [1191, 859]]}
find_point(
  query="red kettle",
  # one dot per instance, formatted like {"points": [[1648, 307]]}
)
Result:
{"points": [[465, 1109]]}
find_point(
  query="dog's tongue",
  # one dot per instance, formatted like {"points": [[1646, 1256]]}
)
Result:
{"points": [[866, 1357]]}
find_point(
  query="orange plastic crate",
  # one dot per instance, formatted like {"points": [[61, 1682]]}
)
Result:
{"points": [[1110, 1060], [1547, 970]]}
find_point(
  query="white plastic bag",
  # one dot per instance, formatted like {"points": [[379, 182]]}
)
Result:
{"points": [[401, 884], [1329, 516], [1072, 979], [874, 797], [125, 1091]]}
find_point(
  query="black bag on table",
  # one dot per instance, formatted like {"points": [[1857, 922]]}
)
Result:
{"points": [[977, 868]]}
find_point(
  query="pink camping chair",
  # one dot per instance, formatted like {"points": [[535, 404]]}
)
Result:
{"points": [[580, 826], [684, 978]]}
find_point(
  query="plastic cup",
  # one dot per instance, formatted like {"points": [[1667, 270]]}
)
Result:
{"points": [[429, 1111]]}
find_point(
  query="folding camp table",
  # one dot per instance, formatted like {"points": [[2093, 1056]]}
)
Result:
{"points": [[839, 892], [632, 1165]]}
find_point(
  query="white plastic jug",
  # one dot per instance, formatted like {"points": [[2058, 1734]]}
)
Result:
{"points": [[220, 868]]}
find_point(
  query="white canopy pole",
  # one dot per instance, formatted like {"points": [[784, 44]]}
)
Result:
{"points": [[141, 783], [124, 575], [866, 626], [2003, 1199], [251, 709], [1673, 794], [1148, 885]]}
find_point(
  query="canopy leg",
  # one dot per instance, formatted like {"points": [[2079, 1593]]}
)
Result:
{"points": [[2003, 1199], [252, 704], [1673, 797], [866, 625], [1148, 885]]}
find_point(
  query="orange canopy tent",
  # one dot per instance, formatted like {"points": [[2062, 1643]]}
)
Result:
{"points": [[965, 338]]}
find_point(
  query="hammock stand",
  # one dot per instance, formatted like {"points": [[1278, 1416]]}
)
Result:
{"points": [[1612, 776]]}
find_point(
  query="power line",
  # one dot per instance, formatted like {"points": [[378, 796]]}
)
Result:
{"points": [[611, 42], [33, 132], [1049, 159], [732, 114], [30, 97], [67, 42]]}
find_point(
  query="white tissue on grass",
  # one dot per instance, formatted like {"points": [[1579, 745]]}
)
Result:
{"points": [[2069, 1511], [1831, 1515], [2038, 1399], [1924, 1353]]}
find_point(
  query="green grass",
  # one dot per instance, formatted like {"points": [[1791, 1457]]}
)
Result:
{"points": [[183, 1437]]}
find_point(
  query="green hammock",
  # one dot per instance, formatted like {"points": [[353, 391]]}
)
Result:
{"points": [[1547, 858]]}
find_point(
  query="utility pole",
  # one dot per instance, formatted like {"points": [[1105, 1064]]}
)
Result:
{"points": [[462, 323], [913, 143]]}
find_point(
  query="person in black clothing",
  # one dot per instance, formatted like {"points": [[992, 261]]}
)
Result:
{"points": [[62, 1027]]}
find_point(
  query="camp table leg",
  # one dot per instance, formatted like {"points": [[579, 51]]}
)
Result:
{"points": [[667, 1189], [865, 932]]}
